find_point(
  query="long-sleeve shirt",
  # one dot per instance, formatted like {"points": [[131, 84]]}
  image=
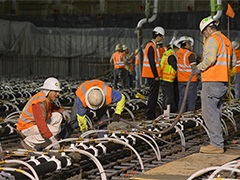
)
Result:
{"points": [[152, 62], [211, 54], [40, 115]]}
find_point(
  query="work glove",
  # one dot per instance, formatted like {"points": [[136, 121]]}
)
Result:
{"points": [[53, 140], [195, 70], [116, 117], [84, 129], [66, 116]]}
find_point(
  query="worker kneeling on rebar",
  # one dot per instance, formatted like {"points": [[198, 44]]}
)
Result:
{"points": [[94, 95], [40, 119]]}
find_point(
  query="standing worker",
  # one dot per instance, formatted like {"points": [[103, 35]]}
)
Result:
{"points": [[235, 45], [136, 68], [95, 95], [162, 49], [218, 57], [40, 119], [151, 71], [168, 79], [129, 66], [119, 60], [186, 60]]}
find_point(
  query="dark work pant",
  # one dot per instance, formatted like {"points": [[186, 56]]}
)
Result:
{"points": [[168, 96], [152, 98], [120, 75]]}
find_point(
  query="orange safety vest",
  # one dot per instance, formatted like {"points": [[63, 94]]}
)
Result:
{"points": [[136, 57], [83, 88], [162, 50], [184, 68], [130, 62], [237, 53], [146, 69], [219, 71], [118, 60], [26, 119]]}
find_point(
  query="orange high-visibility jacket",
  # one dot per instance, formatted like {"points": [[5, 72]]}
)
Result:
{"points": [[83, 88], [237, 53], [26, 119], [118, 60], [219, 71], [136, 57], [162, 50], [184, 68], [146, 69]]}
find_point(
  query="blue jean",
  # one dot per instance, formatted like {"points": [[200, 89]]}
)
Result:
{"points": [[191, 97], [137, 76], [237, 86], [130, 79], [212, 94]]}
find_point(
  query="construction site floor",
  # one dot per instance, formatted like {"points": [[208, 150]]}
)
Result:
{"points": [[183, 168]]}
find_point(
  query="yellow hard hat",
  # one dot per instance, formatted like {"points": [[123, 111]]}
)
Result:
{"points": [[118, 47]]}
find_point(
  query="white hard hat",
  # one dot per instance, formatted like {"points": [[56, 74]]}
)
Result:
{"points": [[124, 47], [95, 98], [235, 45], [185, 39], [176, 43], [205, 22], [118, 47], [159, 30], [51, 84]]}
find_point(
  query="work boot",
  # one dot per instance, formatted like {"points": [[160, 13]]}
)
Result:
{"points": [[210, 149]]}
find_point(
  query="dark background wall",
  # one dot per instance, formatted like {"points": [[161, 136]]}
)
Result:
{"points": [[172, 14]]}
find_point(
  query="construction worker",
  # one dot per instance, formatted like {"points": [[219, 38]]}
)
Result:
{"points": [[96, 95], [168, 76], [161, 48], [217, 57], [136, 68], [186, 60], [151, 71], [236, 49], [40, 119], [120, 61], [129, 66]]}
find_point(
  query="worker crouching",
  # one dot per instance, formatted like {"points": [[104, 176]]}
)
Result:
{"points": [[96, 96], [40, 119]]}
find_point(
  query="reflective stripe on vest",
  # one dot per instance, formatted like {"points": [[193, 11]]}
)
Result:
{"points": [[136, 59], [167, 71], [26, 114], [118, 61], [146, 70], [237, 53], [83, 88], [220, 70], [184, 67]]}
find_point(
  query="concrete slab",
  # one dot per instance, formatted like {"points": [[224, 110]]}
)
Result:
{"points": [[183, 168]]}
